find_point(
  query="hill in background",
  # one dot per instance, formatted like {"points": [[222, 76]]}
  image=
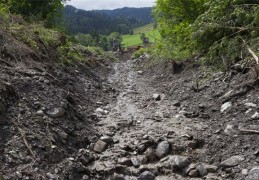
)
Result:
{"points": [[105, 21]]}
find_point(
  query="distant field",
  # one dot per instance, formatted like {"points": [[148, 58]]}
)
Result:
{"points": [[134, 40]]}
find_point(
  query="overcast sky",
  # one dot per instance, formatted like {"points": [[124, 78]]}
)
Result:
{"points": [[109, 4]]}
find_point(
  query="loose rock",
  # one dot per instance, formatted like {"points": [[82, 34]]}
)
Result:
{"points": [[56, 112], [157, 97], [179, 162], [232, 161], [100, 146], [253, 173], [162, 149], [225, 106], [146, 175]]}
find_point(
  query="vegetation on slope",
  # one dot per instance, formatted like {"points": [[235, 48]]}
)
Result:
{"points": [[219, 30]]}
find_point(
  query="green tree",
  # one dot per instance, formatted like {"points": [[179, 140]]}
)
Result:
{"points": [[142, 37], [39, 8], [175, 18]]}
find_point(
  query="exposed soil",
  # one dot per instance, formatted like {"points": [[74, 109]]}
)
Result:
{"points": [[126, 121]]}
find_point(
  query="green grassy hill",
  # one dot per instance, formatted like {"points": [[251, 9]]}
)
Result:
{"points": [[134, 40]]}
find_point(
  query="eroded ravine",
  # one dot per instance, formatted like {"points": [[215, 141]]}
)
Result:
{"points": [[138, 123]]}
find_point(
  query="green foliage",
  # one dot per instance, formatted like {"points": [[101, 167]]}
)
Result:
{"points": [[138, 53], [218, 29], [40, 8], [175, 18], [222, 30]]}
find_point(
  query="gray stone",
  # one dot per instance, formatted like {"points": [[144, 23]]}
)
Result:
{"points": [[230, 130], [141, 148], [250, 104], [142, 159], [99, 166], [56, 112], [100, 111], [157, 97], [125, 161], [62, 134], [140, 72], [106, 139], [150, 154], [52, 176], [225, 106], [40, 113], [100, 146], [232, 161], [162, 149], [179, 162], [244, 172], [146, 175], [118, 177], [253, 173], [202, 170], [135, 161], [211, 168], [192, 171], [255, 116], [85, 177]]}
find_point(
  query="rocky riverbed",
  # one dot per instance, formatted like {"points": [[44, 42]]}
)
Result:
{"points": [[126, 121]]}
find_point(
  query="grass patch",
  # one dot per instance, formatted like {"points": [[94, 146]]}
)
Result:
{"points": [[134, 40]]}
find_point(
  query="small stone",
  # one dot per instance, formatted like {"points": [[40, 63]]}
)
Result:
{"points": [[106, 139], [141, 148], [211, 168], [202, 170], [146, 175], [40, 113], [99, 166], [255, 116], [162, 149], [51, 176], [56, 112], [244, 172], [253, 173], [140, 72], [125, 161], [100, 146], [150, 154], [157, 97], [230, 130], [142, 159], [232, 161], [135, 162], [225, 106], [62, 134], [100, 111], [250, 104], [118, 177], [85, 177], [179, 162]]}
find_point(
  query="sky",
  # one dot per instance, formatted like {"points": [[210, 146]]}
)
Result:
{"points": [[109, 4]]}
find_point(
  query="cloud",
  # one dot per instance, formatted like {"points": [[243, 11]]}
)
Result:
{"points": [[109, 4]]}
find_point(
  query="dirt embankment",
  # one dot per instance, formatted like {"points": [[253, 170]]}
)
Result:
{"points": [[46, 109]]}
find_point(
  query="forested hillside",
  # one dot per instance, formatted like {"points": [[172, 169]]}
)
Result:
{"points": [[105, 21]]}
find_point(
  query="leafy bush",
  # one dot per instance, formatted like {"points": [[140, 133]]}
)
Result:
{"points": [[220, 30]]}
